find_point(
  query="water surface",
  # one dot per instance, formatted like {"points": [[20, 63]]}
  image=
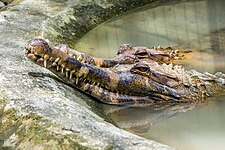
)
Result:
{"points": [[196, 25]]}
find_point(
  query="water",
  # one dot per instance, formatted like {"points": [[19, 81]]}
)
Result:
{"points": [[187, 127], [196, 25]]}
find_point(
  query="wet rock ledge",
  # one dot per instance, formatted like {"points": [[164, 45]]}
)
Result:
{"points": [[4, 3], [40, 113]]}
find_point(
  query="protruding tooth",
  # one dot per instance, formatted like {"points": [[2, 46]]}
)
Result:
{"points": [[79, 57], [45, 63], [67, 72], [89, 81], [46, 57], [60, 62], [57, 68], [117, 94], [71, 75], [98, 84], [31, 50], [77, 80], [100, 90], [51, 59], [86, 86], [62, 70], [54, 64], [57, 59], [91, 86]]}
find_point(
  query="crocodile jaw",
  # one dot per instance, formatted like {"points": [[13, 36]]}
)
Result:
{"points": [[39, 52]]}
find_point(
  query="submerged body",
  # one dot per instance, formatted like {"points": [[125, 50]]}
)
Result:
{"points": [[134, 75]]}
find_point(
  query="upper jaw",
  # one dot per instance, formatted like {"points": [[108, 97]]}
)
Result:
{"points": [[32, 55]]}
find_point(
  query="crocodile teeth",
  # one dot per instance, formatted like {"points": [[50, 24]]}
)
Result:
{"points": [[79, 57], [57, 59], [46, 57], [45, 63], [101, 90], [62, 70], [71, 75], [31, 50], [54, 64], [57, 68], [77, 80], [67, 74], [86, 86], [51, 59]]}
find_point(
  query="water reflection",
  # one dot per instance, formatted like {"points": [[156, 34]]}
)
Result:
{"points": [[185, 126], [139, 119], [198, 129], [192, 24]]}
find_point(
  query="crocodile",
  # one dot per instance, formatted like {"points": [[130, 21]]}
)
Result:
{"points": [[136, 75]]}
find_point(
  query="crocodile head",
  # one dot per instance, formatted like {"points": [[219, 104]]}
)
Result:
{"points": [[134, 75]]}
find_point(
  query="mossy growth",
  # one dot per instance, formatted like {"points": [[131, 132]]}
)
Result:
{"points": [[31, 131]]}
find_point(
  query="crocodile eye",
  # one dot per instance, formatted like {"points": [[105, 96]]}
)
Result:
{"points": [[141, 53], [140, 68]]}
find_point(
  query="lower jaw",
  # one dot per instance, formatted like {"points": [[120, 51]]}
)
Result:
{"points": [[105, 95], [99, 92], [92, 89]]}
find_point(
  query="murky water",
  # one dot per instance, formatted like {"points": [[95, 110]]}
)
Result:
{"points": [[195, 25]]}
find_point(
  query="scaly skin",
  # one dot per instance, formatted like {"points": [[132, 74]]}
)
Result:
{"points": [[134, 75]]}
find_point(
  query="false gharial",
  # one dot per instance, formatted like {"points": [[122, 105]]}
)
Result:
{"points": [[135, 75]]}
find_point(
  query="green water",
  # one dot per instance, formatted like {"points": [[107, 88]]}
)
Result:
{"points": [[195, 25]]}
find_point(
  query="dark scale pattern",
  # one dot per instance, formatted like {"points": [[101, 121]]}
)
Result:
{"points": [[130, 85], [97, 75], [74, 62]]}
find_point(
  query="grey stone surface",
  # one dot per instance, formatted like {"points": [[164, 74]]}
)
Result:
{"points": [[1, 4], [72, 24], [22, 96]]}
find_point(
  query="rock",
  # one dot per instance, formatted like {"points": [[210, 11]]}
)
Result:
{"points": [[42, 113], [69, 26], [1, 5]]}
